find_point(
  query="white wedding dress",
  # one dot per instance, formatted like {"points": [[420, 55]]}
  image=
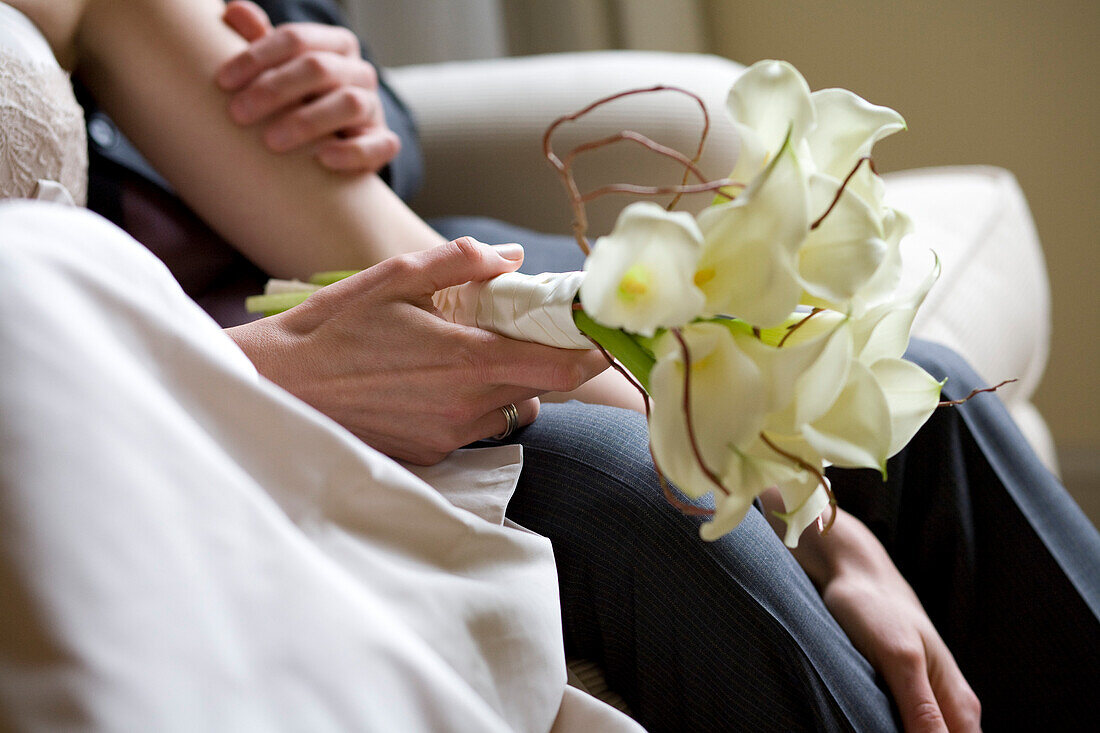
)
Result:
{"points": [[185, 546], [43, 151]]}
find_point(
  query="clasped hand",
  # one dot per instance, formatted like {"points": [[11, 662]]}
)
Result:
{"points": [[372, 352], [307, 84]]}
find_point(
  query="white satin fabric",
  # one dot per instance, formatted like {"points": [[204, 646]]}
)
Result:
{"points": [[535, 308], [185, 546]]}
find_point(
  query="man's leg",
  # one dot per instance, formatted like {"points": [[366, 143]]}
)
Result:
{"points": [[1006, 565], [697, 634], [694, 635]]}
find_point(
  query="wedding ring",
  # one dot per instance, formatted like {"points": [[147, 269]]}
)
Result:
{"points": [[511, 421]]}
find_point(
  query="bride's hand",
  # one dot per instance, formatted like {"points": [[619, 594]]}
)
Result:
{"points": [[372, 353], [308, 84]]}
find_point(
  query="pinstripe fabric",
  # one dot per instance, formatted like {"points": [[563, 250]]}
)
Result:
{"points": [[732, 636], [695, 636]]}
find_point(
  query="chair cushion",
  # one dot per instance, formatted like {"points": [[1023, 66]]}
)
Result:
{"points": [[992, 301]]}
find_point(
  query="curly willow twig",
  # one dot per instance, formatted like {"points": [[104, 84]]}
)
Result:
{"points": [[974, 393], [564, 167], [711, 475]]}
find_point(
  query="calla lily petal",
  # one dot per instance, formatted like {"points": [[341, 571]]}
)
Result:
{"points": [[760, 467], [729, 510], [845, 251], [747, 267], [809, 367], [639, 278], [882, 285], [809, 500], [726, 402], [883, 332], [855, 432], [847, 128], [820, 385], [870, 187], [912, 394], [767, 100]]}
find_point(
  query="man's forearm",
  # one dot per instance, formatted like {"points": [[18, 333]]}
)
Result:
{"points": [[848, 543]]}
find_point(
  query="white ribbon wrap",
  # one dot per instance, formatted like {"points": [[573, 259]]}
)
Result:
{"points": [[535, 308]]}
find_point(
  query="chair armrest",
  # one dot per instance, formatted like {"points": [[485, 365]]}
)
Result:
{"points": [[482, 122]]}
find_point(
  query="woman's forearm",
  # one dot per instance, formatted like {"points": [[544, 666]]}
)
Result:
{"points": [[151, 64]]}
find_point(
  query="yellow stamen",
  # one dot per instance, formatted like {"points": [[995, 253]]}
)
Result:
{"points": [[634, 283], [704, 276]]}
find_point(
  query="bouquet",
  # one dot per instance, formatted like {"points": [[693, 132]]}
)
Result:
{"points": [[767, 332]]}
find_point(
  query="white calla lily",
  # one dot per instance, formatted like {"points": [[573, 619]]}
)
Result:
{"points": [[767, 100], [842, 254], [759, 467], [912, 394], [729, 511], [640, 277], [806, 373], [882, 286], [883, 331], [847, 128], [817, 384], [726, 403], [855, 432], [748, 267], [809, 499]]}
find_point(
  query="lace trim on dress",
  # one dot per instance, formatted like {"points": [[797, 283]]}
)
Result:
{"points": [[41, 130]]}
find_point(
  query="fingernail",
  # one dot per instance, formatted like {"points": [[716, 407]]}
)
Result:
{"points": [[510, 251]]}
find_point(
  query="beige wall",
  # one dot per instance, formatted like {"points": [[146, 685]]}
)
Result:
{"points": [[1012, 83]]}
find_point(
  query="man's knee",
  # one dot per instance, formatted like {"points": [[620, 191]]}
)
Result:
{"points": [[944, 363]]}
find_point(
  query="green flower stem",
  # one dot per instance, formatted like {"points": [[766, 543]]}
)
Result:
{"points": [[637, 359], [270, 305], [330, 277]]}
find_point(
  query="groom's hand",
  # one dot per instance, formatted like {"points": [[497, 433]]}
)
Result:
{"points": [[880, 613], [372, 353], [308, 85]]}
